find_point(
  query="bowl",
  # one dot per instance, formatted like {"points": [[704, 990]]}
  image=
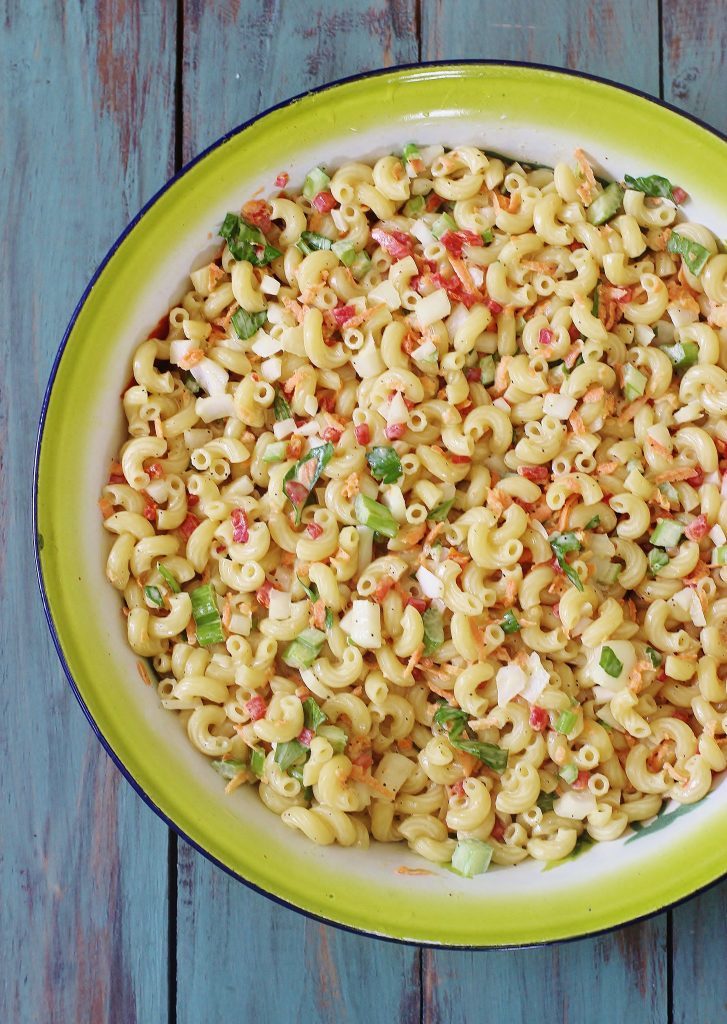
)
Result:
{"points": [[524, 111]]}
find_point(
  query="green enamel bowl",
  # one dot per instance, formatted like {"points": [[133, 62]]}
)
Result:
{"points": [[527, 112]]}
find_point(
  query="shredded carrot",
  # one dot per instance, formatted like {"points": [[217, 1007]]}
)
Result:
{"points": [[607, 467], [192, 358], [433, 533], [408, 537], [511, 588], [141, 669], [659, 448], [463, 274], [413, 871], [226, 613], [675, 474], [468, 762], [588, 189], [594, 394], [351, 486], [237, 780], [566, 511], [445, 694], [360, 775], [318, 614], [214, 274], [540, 266], [404, 743], [630, 411], [501, 375], [158, 428], [414, 660], [576, 421]]}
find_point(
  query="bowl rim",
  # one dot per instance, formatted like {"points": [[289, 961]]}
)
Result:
{"points": [[37, 546]]}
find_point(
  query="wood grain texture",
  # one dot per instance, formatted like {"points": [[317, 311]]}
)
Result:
{"points": [[237, 948], [83, 914], [627, 970], [695, 58], [615, 38]]}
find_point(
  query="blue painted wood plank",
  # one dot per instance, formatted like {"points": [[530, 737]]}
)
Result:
{"points": [[235, 948], [83, 914], [695, 79], [617, 39], [695, 58], [621, 976]]}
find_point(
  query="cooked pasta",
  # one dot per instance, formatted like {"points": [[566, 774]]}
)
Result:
{"points": [[421, 514]]}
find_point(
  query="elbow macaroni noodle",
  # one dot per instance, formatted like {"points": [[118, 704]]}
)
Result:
{"points": [[526, 641]]}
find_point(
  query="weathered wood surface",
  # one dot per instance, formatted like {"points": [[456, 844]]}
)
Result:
{"points": [[93, 925], [83, 863]]}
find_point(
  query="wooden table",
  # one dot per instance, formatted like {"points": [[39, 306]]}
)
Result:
{"points": [[105, 916]]}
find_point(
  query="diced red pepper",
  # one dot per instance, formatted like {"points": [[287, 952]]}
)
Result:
{"points": [[342, 314], [433, 202], [327, 401], [573, 332], [622, 295], [697, 477], [305, 737], [457, 789], [323, 202], [679, 195], [455, 241], [263, 594], [459, 460], [256, 708], [282, 179], [546, 337], [332, 434], [192, 500], [397, 243], [698, 528], [498, 830], [455, 289], [538, 718], [362, 433], [494, 307], [189, 525], [417, 602], [257, 212], [240, 526], [314, 530], [297, 492], [473, 373], [155, 470], [395, 431], [582, 780], [538, 474], [150, 509]]}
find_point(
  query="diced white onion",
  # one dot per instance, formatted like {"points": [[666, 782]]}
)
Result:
{"points": [[312, 427], [386, 293], [266, 345], [279, 605], [538, 678], [364, 624], [456, 318], [422, 232], [218, 407], [284, 428], [430, 153], [716, 535], [397, 411], [157, 490], [271, 369], [428, 350], [688, 600], [431, 585], [511, 680], [240, 624], [432, 308], [270, 285], [477, 274], [643, 333], [210, 376], [576, 804], [393, 498], [559, 406]]}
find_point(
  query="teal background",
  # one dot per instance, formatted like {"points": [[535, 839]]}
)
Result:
{"points": [[104, 915]]}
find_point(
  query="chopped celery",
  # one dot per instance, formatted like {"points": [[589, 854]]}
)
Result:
{"points": [[375, 515], [471, 857]]}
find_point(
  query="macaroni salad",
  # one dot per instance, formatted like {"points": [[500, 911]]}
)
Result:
{"points": [[421, 517]]}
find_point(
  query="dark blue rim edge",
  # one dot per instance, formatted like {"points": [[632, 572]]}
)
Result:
{"points": [[36, 463]]}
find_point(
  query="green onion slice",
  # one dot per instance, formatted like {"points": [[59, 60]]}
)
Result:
{"points": [[229, 769], [433, 630], [168, 578], [566, 722], [288, 754], [303, 651], [315, 242], [694, 255], [257, 761], [683, 354], [509, 623], [375, 515], [655, 657], [658, 558], [610, 663], [281, 409], [313, 715], [561, 543], [345, 252], [335, 736], [206, 616], [443, 223], [246, 242], [316, 181], [154, 595], [568, 773], [593, 524]]}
